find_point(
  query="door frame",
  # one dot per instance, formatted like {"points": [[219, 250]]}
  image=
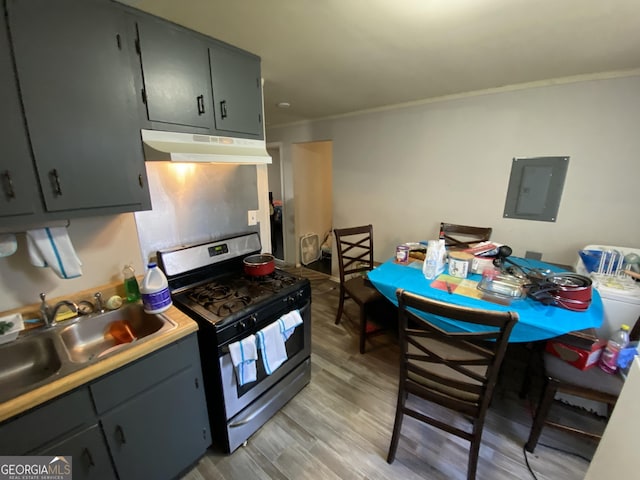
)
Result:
{"points": [[279, 146]]}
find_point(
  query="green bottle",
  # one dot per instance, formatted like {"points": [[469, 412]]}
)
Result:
{"points": [[131, 288]]}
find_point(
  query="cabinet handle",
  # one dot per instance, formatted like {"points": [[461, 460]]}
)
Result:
{"points": [[10, 192], [120, 433], [200, 99], [57, 189], [87, 453], [223, 109], [140, 182]]}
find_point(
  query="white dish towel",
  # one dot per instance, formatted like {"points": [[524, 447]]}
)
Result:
{"points": [[271, 343], [243, 357], [289, 322], [51, 247]]}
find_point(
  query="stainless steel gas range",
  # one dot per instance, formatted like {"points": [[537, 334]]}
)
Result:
{"points": [[207, 282]]}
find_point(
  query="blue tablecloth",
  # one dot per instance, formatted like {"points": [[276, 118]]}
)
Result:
{"points": [[536, 321]]}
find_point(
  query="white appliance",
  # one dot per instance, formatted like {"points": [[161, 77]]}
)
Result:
{"points": [[621, 303], [189, 147], [620, 294]]}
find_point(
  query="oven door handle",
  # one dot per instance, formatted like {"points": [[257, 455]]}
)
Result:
{"points": [[249, 418], [286, 390]]}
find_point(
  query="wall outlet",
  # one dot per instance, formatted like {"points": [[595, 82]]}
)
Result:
{"points": [[252, 217]]}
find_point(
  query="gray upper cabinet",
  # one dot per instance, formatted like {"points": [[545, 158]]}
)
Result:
{"points": [[175, 71], [19, 191], [77, 85], [237, 93], [193, 83]]}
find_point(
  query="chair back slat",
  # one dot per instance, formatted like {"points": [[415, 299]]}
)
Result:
{"points": [[462, 236], [456, 370], [453, 366], [355, 250]]}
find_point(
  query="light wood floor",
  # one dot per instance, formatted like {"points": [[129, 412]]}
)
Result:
{"points": [[339, 426]]}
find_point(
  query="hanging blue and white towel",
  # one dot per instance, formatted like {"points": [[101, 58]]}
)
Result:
{"points": [[289, 322], [271, 342], [243, 357], [51, 247]]}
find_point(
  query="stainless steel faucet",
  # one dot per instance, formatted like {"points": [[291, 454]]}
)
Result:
{"points": [[99, 305], [49, 313]]}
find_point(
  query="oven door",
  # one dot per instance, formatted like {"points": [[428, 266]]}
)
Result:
{"points": [[298, 346]]}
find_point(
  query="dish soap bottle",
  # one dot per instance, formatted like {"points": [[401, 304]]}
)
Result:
{"points": [[155, 290], [609, 357], [131, 288]]}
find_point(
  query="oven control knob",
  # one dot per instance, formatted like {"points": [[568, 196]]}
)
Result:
{"points": [[241, 326], [291, 300], [253, 321], [300, 294]]}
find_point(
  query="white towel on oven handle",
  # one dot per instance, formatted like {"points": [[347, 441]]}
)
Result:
{"points": [[243, 357], [289, 322], [274, 352]]}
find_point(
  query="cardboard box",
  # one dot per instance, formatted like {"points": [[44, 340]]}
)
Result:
{"points": [[581, 357]]}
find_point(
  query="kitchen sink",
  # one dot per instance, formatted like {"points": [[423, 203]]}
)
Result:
{"points": [[42, 355], [27, 363], [92, 337]]}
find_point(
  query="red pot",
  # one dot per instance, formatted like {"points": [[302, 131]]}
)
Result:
{"points": [[573, 291], [259, 265]]}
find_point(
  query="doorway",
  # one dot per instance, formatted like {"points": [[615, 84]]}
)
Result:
{"points": [[313, 203], [276, 204]]}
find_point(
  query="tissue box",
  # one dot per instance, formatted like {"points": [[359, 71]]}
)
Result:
{"points": [[580, 349]]}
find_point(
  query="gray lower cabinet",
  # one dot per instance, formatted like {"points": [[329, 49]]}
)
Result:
{"points": [[19, 190], [145, 420], [76, 79], [155, 434], [88, 453], [48, 424], [154, 413]]}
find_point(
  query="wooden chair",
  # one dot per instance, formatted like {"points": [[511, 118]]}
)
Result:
{"points": [[462, 236], [455, 370], [355, 258], [592, 384]]}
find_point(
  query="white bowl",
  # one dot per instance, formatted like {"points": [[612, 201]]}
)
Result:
{"points": [[12, 334]]}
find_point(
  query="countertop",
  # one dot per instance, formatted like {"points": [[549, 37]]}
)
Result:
{"points": [[40, 395]]}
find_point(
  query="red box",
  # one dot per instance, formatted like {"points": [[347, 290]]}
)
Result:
{"points": [[580, 357]]}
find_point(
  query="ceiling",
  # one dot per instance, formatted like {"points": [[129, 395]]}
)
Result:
{"points": [[331, 57]]}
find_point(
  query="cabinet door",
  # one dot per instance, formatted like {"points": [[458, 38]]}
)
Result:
{"points": [[237, 93], [175, 69], [161, 431], [77, 85], [47, 423], [19, 192], [89, 454]]}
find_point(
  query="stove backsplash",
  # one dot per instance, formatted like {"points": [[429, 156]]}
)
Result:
{"points": [[195, 203]]}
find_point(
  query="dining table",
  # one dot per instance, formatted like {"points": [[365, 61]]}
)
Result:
{"points": [[536, 321]]}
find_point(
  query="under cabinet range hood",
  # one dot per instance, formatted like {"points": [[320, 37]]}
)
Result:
{"points": [[191, 147]]}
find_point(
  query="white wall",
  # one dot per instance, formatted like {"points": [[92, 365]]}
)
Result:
{"points": [[313, 187], [407, 169], [104, 245], [617, 450]]}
